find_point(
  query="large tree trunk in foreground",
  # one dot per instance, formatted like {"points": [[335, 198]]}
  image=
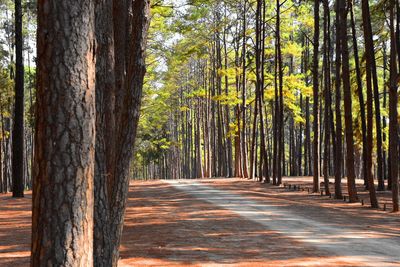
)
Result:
{"points": [[120, 69], [127, 107], [105, 127], [62, 227], [18, 126]]}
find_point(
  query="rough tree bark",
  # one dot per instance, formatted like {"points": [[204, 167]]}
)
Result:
{"points": [[62, 220], [104, 150], [120, 71], [127, 107]]}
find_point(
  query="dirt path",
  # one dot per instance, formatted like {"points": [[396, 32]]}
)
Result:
{"points": [[15, 230], [356, 245], [229, 222]]}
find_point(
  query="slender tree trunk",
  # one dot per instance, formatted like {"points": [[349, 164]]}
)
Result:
{"points": [[258, 48], [281, 132], [359, 93], [327, 95], [384, 118], [307, 144], [264, 154], [276, 141], [338, 151], [371, 67], [369, 58], [238, 144], [393, 102], [316, 159], [5, 143], [351, 185], [18, 126], [244, 107], [3, 186], [253, 150], [222, 155], [300, 142], [227, 113], [398, 33]]}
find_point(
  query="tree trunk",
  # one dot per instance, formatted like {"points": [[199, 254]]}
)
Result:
{"points": [[3, 185], [351, 185], [327, 95], [369, 58], [126, 124], [281, 142], [338, 112], [18, 125], [62, 229], [238, 144], [120, 71], [243, 136], [316, 159], [105, 130], [264, 169], [276, 159], [398, 33], [359, 93], [393, 101], [307, 144], [227, 113]]}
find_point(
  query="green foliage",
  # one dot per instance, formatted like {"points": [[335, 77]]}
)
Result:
{"points": [[6, 96], [184, 76], [6, 92]]}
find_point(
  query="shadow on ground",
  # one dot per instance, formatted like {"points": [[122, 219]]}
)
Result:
{"points": [[15, 230], [167, 227]]}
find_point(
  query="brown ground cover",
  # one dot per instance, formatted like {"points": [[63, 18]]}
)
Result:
{"points": [[15, 230], [167, 227]]}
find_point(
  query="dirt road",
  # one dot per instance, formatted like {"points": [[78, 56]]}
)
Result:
{"points": [[353, 244]]}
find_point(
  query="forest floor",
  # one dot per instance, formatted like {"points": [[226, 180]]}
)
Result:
{"points": [[232, 222]]}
